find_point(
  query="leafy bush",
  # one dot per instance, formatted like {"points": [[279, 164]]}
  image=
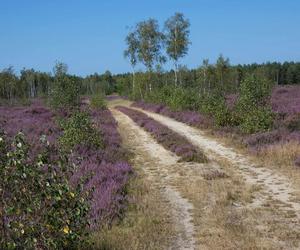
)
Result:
{"points": [[214, 104], [253, 112], [176, 98], [78, 129], [98, 101], [65, 93], [256, 120], [183, 99], [39, 210]]}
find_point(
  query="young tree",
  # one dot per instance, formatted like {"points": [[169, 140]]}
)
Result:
{"points": [[131, 53], [177, 39], [60, 69], [8, 83], [150, 41], [65, 91], [28, 77], [222, 68]]}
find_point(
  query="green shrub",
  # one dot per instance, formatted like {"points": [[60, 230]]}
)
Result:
{"points": [[65, 93], [176, 98], [39, 210], [256, 120], [78, 129], [97, 101], [214, 104], [182, 99], [253, 112]]}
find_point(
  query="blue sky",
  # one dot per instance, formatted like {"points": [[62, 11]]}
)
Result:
{"points": [[89, 35]]}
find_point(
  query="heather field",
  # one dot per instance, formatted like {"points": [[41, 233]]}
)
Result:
{"points": [[99, 174], [123, 126]]}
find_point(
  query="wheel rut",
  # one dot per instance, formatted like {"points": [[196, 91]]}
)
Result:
{"points": [[274, 186], [158, 165]]}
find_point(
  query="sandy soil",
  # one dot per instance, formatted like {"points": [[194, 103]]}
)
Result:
{"points": [[227, 203], [273, 185], [158, 165]]}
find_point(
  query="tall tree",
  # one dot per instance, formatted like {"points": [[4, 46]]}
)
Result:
{"points": [[150, 41], [177, 39], [131, 53], [222, 68], [60, 69]]}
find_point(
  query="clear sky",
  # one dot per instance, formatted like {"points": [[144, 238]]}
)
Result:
{"points": [[89, 35]]}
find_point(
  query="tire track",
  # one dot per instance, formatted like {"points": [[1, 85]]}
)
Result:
{"points": [[275, 186], [158, 164]]}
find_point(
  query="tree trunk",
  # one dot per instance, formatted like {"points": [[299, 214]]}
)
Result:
{"points": [[133, 79], [149, 79], [176, 68]]}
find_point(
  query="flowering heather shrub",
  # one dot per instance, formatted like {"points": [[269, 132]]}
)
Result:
{"points": [[265, 138], [107, 181], [165, 136], [286, 100], [103, 171], [297, 162], [108, 127], [34, 121], [192, 118]]}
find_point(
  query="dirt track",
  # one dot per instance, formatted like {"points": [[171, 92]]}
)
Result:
{"points": [[158, 164], [273, 184], [263, 212]]}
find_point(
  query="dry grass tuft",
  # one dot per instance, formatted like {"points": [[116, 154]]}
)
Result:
{"points": [[214, 174], [281, 155], [146, 225]]}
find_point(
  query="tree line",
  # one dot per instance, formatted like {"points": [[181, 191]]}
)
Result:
{"points": [[149, 46], [31, 83]]}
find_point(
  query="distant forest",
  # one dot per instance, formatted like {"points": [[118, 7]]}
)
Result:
{"points": [[31, 83]]}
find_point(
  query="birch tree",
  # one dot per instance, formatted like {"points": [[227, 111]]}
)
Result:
{"points": [[177, 39], [150, 42], [131, 53]]}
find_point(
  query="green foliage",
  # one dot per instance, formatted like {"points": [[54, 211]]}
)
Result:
{"points": [[78, 129], [182, 99], [214, 104], [65, 93], [98, 101], [256, 120], [252, 111], [177, 36], [39, 210], [254, 90]]}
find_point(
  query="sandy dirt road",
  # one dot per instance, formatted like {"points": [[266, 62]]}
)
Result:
{"points": [[158, 165], [274, 185], [252, 208]]}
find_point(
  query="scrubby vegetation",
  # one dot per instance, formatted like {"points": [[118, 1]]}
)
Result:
{"points": [[39, 209], [64, 175]]}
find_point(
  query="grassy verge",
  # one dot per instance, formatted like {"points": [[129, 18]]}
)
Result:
{"points": [[145, 225]]}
